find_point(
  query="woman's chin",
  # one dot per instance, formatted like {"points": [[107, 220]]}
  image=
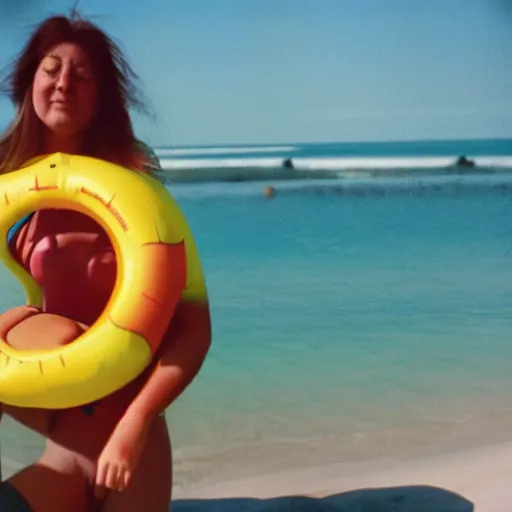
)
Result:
{"points": [[62, 131]]}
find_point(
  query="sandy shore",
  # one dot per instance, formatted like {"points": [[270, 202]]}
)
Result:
{"points": [[473, 480], [478, 480]]}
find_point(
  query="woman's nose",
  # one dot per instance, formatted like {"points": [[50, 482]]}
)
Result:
{"points": [[64, 80]]}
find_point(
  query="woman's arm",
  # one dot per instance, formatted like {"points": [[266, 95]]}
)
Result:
{"points": [[181, 355], [184, 350]]}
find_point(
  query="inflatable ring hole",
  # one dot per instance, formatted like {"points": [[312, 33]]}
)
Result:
{"points": [[90, 248]]}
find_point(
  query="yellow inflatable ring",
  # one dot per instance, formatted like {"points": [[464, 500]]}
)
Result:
{"points": [[157, 265]]}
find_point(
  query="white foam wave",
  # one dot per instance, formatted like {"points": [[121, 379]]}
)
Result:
{"points": [[220, 163], [395, 162], [225, 151], [494, 161], [369, 163], [333, 164]]}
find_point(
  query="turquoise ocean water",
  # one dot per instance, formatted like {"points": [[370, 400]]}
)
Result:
{"points": [[353, 318]]}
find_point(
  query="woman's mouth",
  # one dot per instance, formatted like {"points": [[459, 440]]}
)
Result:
{"points": [[61, 103]]}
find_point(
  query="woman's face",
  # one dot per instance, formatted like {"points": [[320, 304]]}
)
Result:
{"points": [[65, 93]]}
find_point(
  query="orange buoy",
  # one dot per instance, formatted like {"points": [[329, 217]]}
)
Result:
{"points": [[270, 192]]}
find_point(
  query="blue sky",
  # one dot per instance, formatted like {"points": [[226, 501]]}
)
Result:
{"points": [[270, 71]]}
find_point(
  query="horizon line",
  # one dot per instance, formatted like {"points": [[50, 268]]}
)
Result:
{"points": [[326, 142]]}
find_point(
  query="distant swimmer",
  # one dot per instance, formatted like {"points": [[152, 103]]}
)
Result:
{"points": [[462, 161], [270, 192], [287, 163]]}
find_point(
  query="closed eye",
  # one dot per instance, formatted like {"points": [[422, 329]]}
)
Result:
{"points": [[82, 74], [51, 65]]}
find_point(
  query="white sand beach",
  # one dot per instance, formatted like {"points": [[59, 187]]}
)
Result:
{"points": [[476, 480], [468, 480]]}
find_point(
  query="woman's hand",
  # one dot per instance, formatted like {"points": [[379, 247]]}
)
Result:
{"points": [[120, 455]]}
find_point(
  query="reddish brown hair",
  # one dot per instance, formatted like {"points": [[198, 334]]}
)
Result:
{"points": [[110, 135]]}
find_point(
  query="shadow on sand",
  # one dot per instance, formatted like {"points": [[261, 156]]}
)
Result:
{"points": [[393, 499]]}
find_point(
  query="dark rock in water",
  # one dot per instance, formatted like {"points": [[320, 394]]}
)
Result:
{"points": [[463, 161], [287, 163]]}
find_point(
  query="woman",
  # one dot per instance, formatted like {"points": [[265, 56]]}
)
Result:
{"points": [[72, 89]]}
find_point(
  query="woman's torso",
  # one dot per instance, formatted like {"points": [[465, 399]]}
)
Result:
{"points": [[72, 259]]}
